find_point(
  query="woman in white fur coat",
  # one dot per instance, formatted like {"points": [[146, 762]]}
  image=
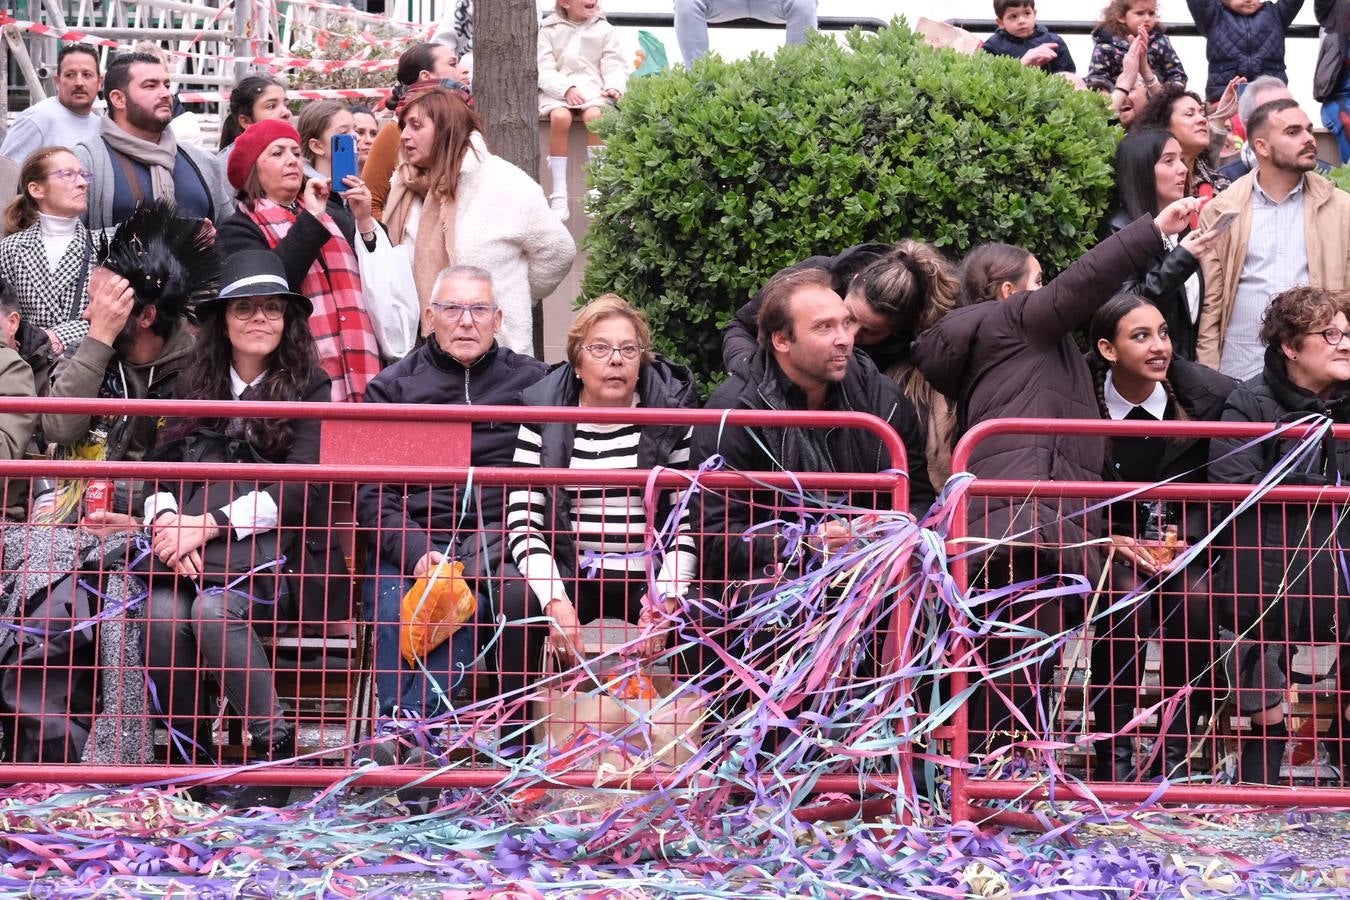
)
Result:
{"points": [[454, 203], [582, 72]]}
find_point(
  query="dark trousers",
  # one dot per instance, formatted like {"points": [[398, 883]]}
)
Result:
{"points": [[190, 636]]}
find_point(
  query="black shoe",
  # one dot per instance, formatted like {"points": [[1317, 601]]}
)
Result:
{"points": [[270, 795], [1261, 753], [1113, 761]]}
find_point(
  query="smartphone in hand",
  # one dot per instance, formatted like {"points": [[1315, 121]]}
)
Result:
{"points": [[342, 148]]}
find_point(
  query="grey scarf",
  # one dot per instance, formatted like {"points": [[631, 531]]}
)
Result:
{"points": [[160, 158]]}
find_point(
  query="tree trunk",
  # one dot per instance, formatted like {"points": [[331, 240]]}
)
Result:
{"points": [[506, 91], [506, 78]]}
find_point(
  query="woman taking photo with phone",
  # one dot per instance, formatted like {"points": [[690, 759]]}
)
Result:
{"points": [[324, 125]]}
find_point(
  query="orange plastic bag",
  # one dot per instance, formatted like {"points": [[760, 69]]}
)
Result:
{"points": [[434, 609]]}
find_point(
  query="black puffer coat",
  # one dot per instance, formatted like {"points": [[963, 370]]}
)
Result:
{"points": [[1163, 281], [1250, 46], [414, 519], [1289, 561], [1017, 358]]}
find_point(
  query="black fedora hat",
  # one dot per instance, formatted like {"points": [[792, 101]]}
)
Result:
{"points": [[255, 273]]}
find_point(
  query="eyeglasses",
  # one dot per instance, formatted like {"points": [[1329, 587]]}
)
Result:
{"points": [[244, 308], [604, 352], [69, 175], [479, 312], [1332, 336]]}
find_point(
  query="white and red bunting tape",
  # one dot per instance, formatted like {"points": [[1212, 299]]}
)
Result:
{"points": [[336, 94], [348, 12], [275, 63]]}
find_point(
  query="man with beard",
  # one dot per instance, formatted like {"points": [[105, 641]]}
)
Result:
{"points": [[1292, 228], [66, 120], [135, 157]]}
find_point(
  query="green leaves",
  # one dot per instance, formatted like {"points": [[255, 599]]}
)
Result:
{"points": [[715, 178]]}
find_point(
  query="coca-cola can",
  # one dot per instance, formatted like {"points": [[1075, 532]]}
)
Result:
{"points": [[98, 497]]}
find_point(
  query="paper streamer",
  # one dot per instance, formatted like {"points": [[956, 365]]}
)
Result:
{"points": [[851, 683]]}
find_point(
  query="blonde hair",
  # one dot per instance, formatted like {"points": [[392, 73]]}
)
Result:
{"points": [[604, 307]]}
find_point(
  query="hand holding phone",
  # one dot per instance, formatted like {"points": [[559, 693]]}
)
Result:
{"points": [[342, 148]]}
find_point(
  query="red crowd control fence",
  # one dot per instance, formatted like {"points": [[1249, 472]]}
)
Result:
{"points": [[1201, 647], [253, 635]]}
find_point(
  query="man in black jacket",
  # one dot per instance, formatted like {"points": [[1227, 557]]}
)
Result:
{"points": [[418, 526], [805, 361]]}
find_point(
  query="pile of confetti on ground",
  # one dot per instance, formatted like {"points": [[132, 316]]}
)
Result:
{"points": [[142, 843], [740, 814]]}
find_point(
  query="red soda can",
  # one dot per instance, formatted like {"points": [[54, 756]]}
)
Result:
{"points": [[98, 497]]}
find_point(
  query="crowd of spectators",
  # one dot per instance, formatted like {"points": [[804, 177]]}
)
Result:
{"points": [[141, 266]]}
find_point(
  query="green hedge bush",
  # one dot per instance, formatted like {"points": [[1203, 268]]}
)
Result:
{"points": [[715, 178]]}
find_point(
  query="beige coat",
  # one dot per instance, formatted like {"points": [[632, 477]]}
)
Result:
{"points": [[583, 55], [1326, 210]]}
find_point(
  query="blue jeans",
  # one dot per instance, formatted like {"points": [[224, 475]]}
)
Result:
{"points": [[1336, 117], [399, 685]]}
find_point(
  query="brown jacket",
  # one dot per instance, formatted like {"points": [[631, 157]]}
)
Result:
{"points": [[1017, 358], [1326, 210]]}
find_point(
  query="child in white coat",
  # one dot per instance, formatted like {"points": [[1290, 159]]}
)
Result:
{"points": [[582, 72]]}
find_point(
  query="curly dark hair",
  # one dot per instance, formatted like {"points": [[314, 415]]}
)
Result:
{"points": [[1158, 113], [1294, 313], [290, 369]]}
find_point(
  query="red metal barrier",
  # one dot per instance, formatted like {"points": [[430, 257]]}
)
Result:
{"points": [[323, 668], [1150, 681]]}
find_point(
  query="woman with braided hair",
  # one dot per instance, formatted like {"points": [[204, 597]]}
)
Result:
{"points": [[1137, 377]]}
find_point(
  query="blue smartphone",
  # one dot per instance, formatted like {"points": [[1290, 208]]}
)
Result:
{"points": [[343, 150]]}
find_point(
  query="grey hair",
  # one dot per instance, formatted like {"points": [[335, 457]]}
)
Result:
{"points": [[1247, 102], [473, 273]]}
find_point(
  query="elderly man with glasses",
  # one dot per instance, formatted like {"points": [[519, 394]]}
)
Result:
{"points": [[419, 526]]}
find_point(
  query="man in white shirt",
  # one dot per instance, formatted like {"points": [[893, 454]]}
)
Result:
{"points": [[1292, 228], [66, 120]]}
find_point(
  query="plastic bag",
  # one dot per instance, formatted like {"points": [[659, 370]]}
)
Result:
{"points": [[434, 609]]}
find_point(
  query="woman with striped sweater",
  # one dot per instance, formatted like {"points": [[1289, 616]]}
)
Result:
{"points": [[583, 551]]}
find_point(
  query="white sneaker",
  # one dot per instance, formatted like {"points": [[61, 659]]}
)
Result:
{"points": [[558, 203]]}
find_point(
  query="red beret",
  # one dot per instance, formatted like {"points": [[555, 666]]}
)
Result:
{"points": [[251, 144]]}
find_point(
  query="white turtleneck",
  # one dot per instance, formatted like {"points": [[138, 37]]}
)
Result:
{"points": [[57, 233]]}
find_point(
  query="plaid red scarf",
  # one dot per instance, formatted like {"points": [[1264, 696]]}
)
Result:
{"points": [[343, 335]]}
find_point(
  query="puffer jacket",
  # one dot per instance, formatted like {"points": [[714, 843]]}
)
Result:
{"points": [[1108, 57], [730, 539], [1287, 571], [414, 519], [1249, 46], [662, 384], [1334, 17], [1000, 43], [1017, 358]]}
